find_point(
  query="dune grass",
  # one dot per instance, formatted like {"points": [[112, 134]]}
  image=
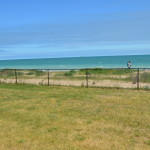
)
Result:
{"points": [[73, 118], [97, 74]]}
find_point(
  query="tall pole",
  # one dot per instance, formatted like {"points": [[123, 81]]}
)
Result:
{"points": [[87, 84], [48, 76], [16, 75], [138, 78]]}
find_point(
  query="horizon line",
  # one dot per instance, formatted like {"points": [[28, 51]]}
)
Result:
{"points": [[74, 57]]}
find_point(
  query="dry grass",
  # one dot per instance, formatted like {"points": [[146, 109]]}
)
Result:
{"points": [[123, 78], [73, 118], [76, 82]]}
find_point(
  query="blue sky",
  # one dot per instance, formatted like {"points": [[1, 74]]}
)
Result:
{"points": [[70, 28]]}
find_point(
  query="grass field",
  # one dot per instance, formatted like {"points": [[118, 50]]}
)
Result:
{"points": [[73, 118]]}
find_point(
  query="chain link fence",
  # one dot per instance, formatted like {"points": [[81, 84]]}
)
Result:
{"points": [[117, 77]]}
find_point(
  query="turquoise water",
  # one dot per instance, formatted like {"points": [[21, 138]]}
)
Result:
{"points": [[138, 61]]}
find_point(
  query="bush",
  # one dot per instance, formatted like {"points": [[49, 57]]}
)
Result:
{"points": [[7, 73], [70, 73], [36, 72], [145, 77], [106, 71], [31, 72]]}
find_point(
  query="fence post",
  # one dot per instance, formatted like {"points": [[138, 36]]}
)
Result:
{"points": [[87, 84], [48, 76], [16, 75], [138, 78]]}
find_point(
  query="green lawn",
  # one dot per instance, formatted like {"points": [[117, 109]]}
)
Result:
{"points": [[73, 118]]}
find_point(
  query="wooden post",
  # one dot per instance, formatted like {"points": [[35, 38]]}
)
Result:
{"points": [[16, 75], [138, 78], [48, 76], [87, 84]]}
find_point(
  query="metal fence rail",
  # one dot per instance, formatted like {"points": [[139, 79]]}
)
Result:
{"points": [[89, 77]]}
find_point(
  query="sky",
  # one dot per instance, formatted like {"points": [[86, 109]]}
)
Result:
{"points": [[73, 28]]}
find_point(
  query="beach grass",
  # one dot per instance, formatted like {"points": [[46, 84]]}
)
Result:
{"points": [[121, 78], [94, 74], [73, 118]]}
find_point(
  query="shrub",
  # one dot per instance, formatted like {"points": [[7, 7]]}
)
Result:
{"points": [[36, 72], [7, 73], [70, 73], [106, 71], [145, 77]]}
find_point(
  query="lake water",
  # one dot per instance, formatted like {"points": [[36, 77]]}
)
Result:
{"points": [[138, 61]]}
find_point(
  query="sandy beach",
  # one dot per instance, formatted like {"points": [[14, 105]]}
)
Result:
{"points": [[100, 83]]}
